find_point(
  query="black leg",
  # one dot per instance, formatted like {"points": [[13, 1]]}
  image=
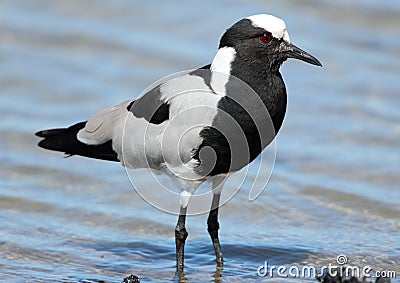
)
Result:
{"points": [[213, 227], [180, 238]]}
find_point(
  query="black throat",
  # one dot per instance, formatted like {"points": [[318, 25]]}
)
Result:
{"points": [[266, 80]]}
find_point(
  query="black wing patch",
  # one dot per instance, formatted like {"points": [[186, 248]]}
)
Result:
{"points": [[150, 107], [205, 75], [206, 67]]}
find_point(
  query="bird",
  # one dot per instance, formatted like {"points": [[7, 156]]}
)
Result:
{"points": [[201, 125]]}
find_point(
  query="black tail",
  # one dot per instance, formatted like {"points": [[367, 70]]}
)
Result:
{"points": [[65, 140]]}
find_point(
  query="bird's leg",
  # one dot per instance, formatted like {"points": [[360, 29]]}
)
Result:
{"points": [[212, 221], [180, 231], [180, 238], [213, 227]]}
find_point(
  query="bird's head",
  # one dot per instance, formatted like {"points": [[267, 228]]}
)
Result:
{"points": [[263, 39]]}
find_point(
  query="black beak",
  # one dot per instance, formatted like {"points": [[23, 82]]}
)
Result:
{"points": [[292, 51]]}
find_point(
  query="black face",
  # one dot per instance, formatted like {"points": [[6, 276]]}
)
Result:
{"points": [[259, 46]]}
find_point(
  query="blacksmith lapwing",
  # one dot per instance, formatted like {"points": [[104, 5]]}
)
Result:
{"points": [[201, 125]]}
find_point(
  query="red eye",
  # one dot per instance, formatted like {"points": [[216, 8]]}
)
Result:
{"points": [[266, 37]]}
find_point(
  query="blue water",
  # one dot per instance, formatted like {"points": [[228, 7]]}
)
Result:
{"points": [[335, 186]]}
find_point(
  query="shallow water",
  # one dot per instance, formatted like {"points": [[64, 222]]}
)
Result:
{"points": [[335, 186]]}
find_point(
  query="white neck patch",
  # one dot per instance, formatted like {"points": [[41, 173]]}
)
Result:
{"points": [[221, 69], [274, 25], [223, 60]]}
